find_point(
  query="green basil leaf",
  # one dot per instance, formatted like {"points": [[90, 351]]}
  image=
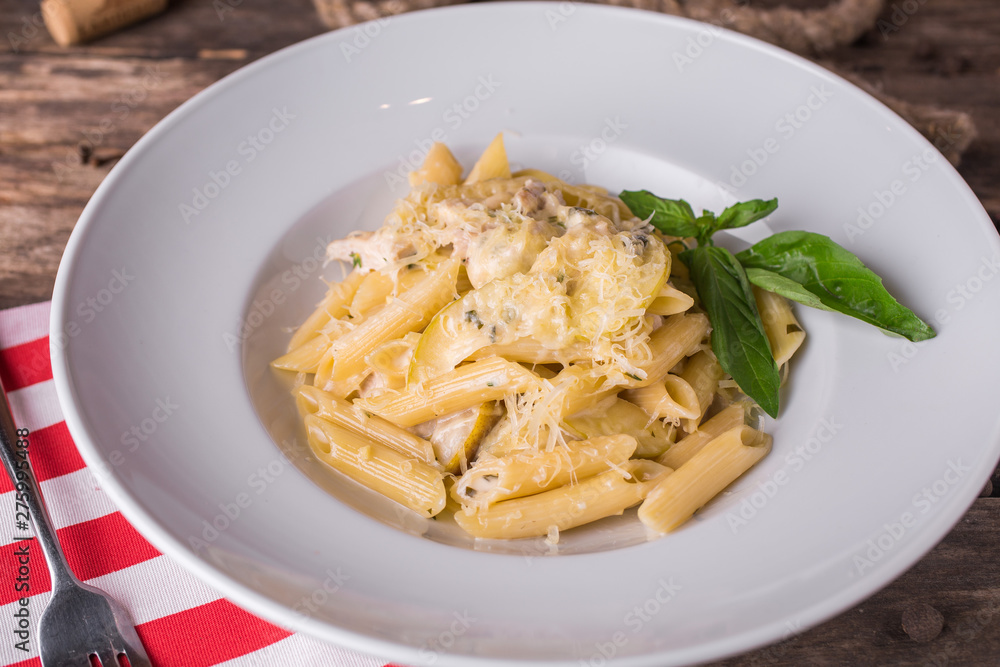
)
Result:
{"points": [[738, 337], [742, 214], [774, 282], [706, 227], [837, 278], [670, 216]]}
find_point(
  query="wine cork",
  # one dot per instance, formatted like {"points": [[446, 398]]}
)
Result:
{"points": [[75, 21]]}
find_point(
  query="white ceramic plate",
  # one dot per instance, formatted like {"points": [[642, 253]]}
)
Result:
{"points": [[215, 215]]}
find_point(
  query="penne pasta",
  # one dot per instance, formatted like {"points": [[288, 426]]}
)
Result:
{"points": [[491, 164], [702, 372], [396, 476], [439, 166], [604, 495], [531, 351], [334, 305], [576, 389], [377, 289], [681, 451], [651, 434], [672, 398], [370, 295], [391, 360], [524, 354], [306, 357], [670, 301], [486, 380], [410, 311], [681, 271], [679, 336], [703, 477], [528, 472], [784, 332], [313, 401]]}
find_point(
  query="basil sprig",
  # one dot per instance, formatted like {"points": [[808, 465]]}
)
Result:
{"points": [[671, 216], [805, 267], [676, 217], [834, 276], [738, 337]]}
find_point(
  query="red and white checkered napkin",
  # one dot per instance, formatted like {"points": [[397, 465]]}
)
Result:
{"points": [[180, 620]]}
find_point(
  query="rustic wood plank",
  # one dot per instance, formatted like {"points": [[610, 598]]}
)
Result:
{"points": [[948, 54], [958, 578], [182, 31], [54, 100], [103, 97], [51, 108]]}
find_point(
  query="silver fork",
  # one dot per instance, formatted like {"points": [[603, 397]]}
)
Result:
{"points": [[80, 621]]}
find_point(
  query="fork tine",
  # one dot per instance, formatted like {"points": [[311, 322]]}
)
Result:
{"points": [[132, 647], [137, 656]]}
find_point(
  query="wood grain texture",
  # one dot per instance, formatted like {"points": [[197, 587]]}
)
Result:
{"points": [[104, 96], [55, 102], [958, 578]]}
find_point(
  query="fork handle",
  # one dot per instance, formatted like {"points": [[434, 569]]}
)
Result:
{"points": [[15, 460]]}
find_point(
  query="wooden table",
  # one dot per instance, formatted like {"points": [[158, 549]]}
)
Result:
{"points": [[67, 114]]}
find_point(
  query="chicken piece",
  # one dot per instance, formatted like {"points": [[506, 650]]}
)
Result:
{"points": [[528, 199], [457, 436], [369, 250]]}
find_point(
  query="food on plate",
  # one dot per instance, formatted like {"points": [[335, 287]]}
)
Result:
{"points": [[529, 355]]}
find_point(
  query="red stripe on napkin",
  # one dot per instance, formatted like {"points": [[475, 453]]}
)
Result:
{"points": [[26, 364], [206, 635], [93, 548], [201, 634], [52, 454], [35, 662]]}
